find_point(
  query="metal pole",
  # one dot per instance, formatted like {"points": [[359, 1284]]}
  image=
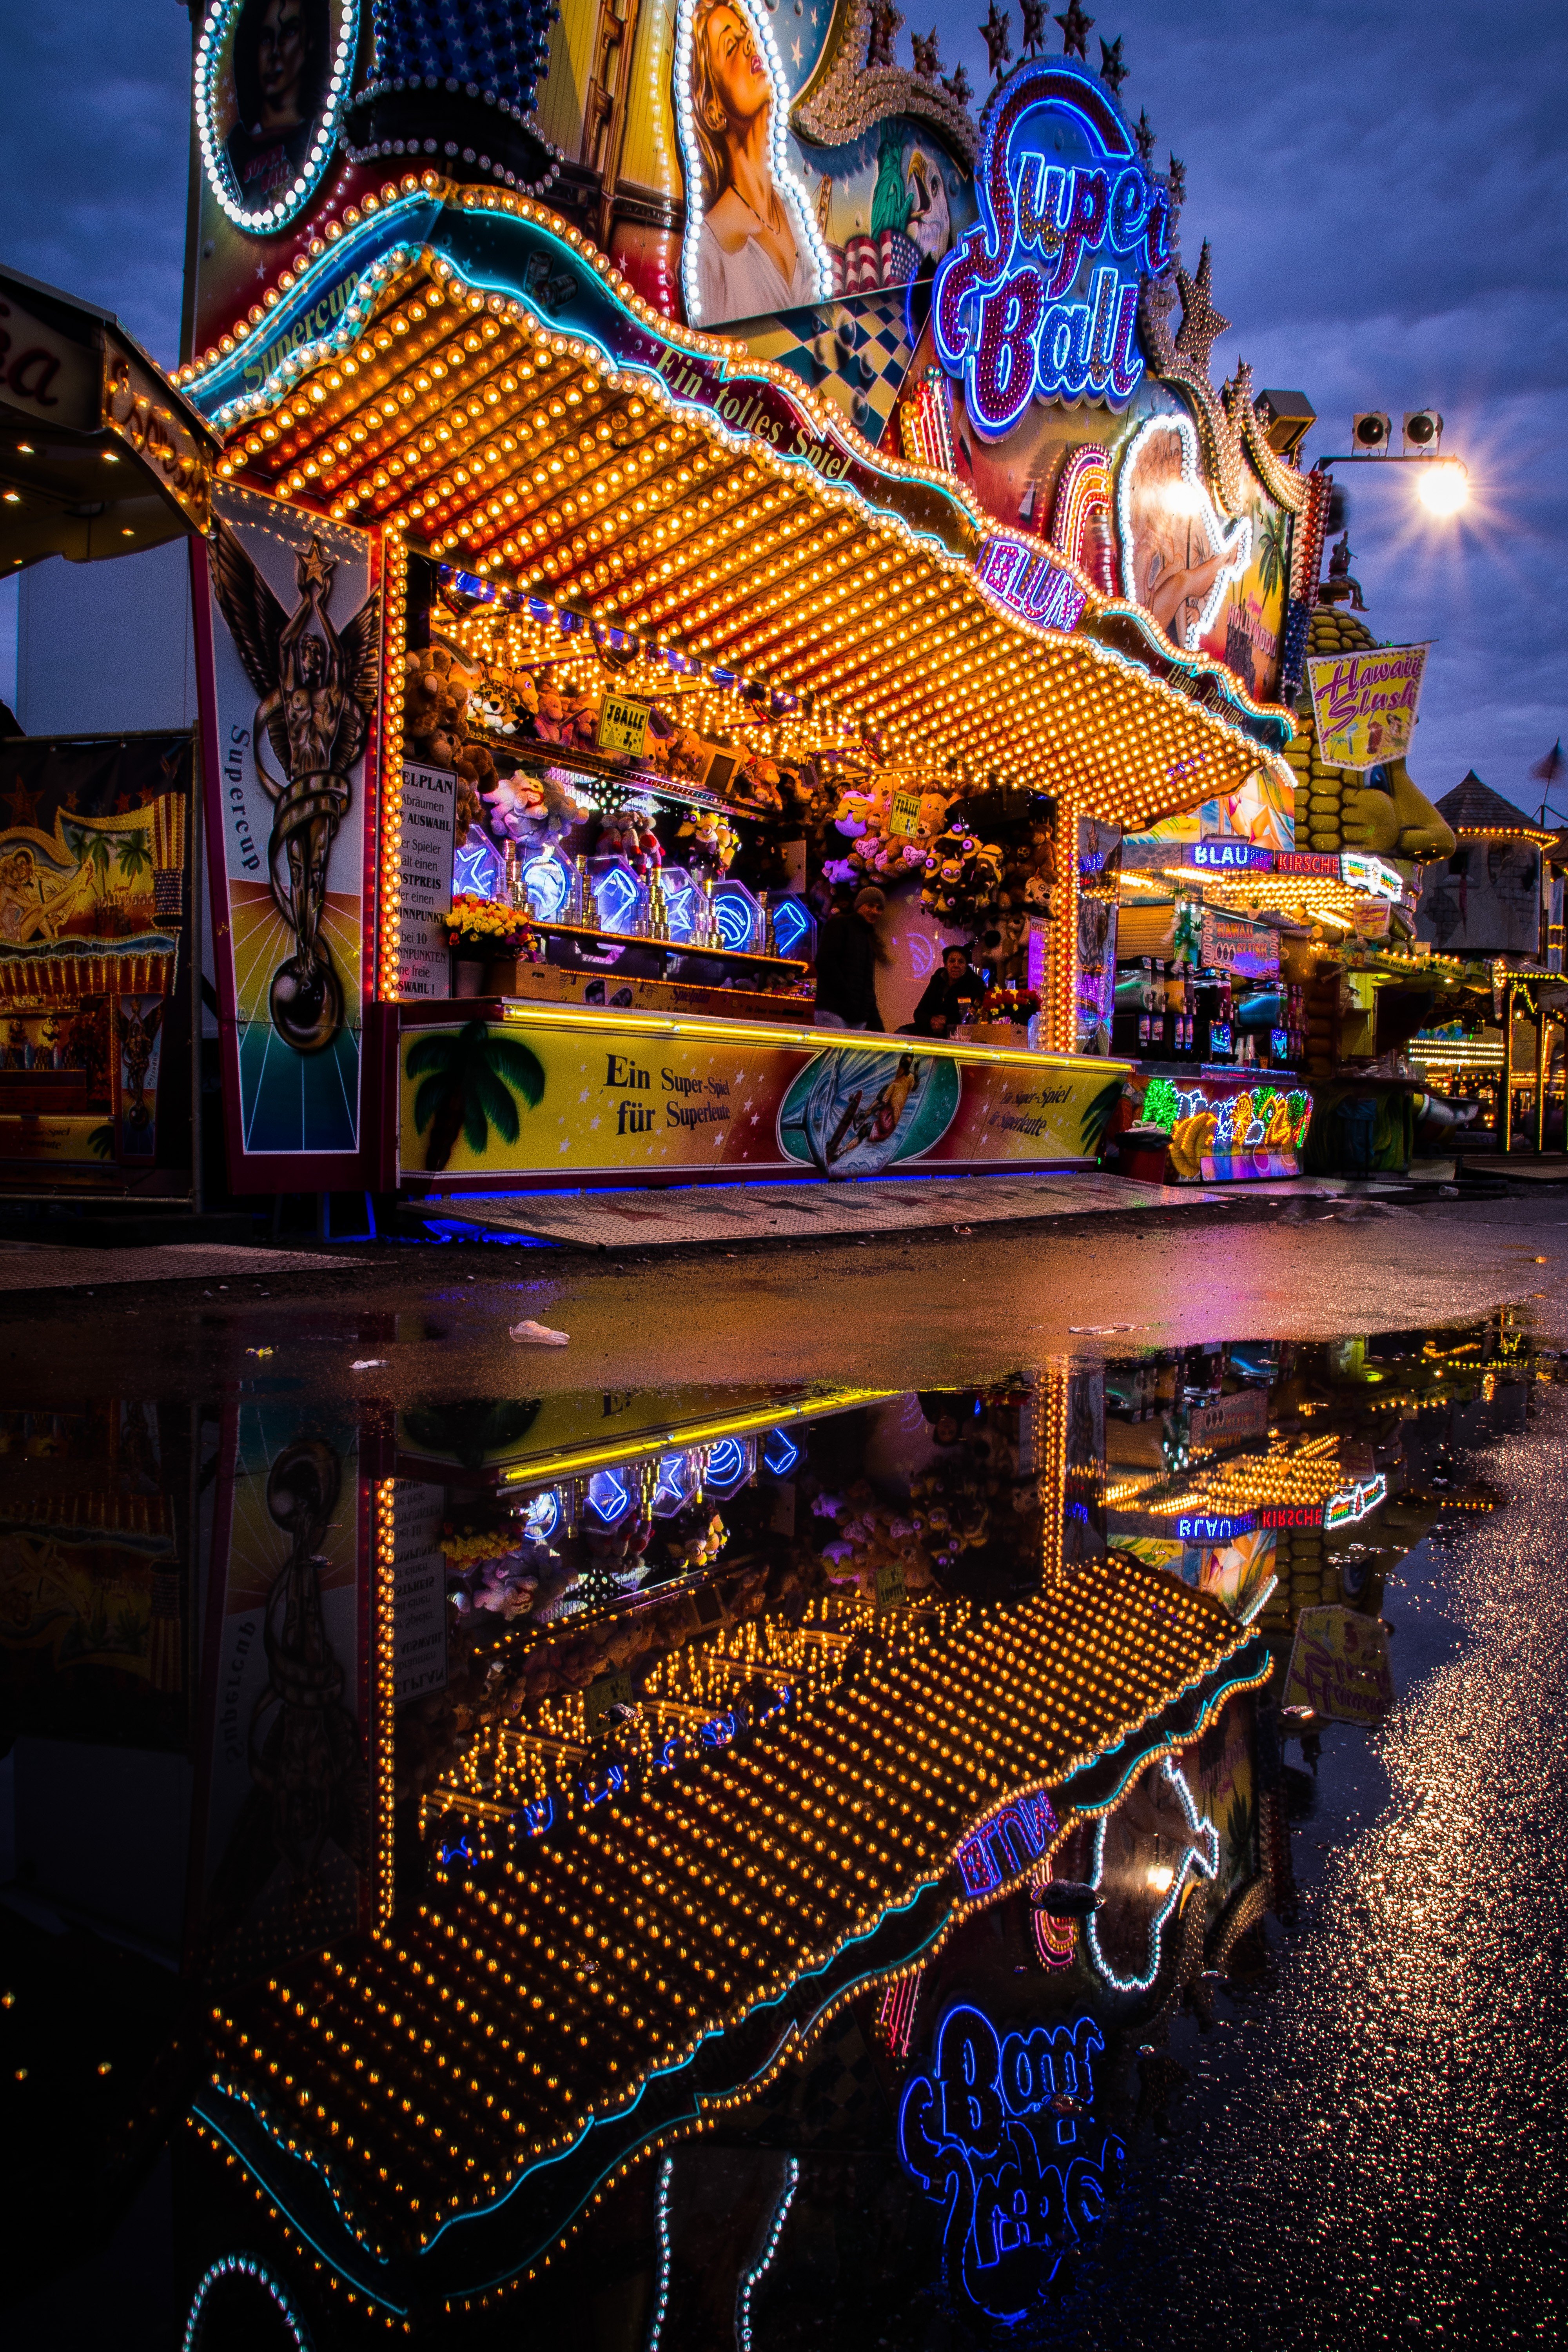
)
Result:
{"points": [[1541, 1078], [194, 952], [1508, 1067]]}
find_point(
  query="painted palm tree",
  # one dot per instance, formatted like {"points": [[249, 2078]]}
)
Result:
{"points": [[1097, 1118], [467, 1083], [1269, 526], [131, 854]]}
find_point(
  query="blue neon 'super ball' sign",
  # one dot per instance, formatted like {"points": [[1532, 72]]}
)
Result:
{"points": [[1040, 300], [1001, 2133]]}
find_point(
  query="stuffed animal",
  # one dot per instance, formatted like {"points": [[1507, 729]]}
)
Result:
{"points": [[517, 806], [853, 813]]}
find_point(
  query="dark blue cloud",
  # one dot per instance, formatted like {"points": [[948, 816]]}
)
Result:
{"points": [[1384, 191]]}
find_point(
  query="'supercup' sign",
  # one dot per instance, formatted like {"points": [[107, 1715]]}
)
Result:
{"points": [[1040, 300]]}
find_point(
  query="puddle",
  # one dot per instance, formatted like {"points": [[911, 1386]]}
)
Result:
{"points": [[778, 1866]]}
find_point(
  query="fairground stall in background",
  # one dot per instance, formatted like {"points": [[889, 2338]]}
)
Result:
{"points": [[100, 459]]}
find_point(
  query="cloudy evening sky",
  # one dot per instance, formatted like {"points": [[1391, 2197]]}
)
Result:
{"points": [[1384, 189]]}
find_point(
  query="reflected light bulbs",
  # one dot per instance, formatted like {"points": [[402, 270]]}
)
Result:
{"points": [[1443, 488]]}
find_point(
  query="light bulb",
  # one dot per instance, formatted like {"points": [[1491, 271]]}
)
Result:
{"points": [[1445, 487]]}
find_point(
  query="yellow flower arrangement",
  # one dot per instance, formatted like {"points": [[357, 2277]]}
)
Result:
{"points": [[487, 923]]}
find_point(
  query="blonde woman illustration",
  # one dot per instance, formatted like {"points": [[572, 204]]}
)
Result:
{"points": [[753, 255], [1175, 548]]}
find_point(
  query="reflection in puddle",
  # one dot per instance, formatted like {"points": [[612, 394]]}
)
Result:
{"points": [[726, 1861]]}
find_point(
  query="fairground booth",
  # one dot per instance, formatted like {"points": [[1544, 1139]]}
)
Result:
{"points": [[100, 459], [680, 474]]}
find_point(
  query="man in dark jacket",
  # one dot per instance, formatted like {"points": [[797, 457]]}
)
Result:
{"points": [[848, 953], [953, 994]]}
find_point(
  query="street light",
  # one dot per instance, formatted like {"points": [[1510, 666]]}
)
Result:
{"points": [[1445, 486]]}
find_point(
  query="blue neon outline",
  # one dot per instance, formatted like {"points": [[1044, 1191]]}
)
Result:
{"points": [[780, 1469], [1206, 1866], [1045, 382], [718, 1480], [400, 2310], [623, 1500]]}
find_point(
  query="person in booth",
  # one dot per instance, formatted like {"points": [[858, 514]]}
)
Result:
{"points": [[848, 953], [952, 996]]}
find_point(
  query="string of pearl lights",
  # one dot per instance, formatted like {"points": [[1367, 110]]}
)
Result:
{"points": [[212, 59], [509, 2013]]}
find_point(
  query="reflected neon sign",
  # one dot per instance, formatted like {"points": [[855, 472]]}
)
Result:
{"points": [[1040, 300], [999, 2133]]}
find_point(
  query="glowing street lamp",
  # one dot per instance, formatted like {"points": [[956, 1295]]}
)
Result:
{"points": [[1443, 488]]}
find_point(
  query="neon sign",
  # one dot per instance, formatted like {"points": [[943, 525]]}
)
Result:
{"points": [[1360, 870], [1228, 857], [1040, 300], [1011, 1839], [1000, 2134], [1030, 584], [1348, 1509], [1196, 1527], [1202, 1855]]}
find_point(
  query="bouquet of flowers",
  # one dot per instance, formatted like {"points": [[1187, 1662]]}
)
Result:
{"points": [[489, 925], [1009, 1004]]}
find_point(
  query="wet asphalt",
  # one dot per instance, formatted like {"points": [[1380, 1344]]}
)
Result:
{"points": [[904, 1311]]}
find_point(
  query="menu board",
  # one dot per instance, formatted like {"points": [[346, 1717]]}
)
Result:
{"points": [[424, 880], [1231, 944], [419, 1589]]}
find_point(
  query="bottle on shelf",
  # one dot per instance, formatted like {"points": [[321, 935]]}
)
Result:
{"points": [[766, 937], [584, 905], [511, 873]]}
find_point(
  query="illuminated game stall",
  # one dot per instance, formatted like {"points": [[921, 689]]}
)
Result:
{"points": [[603, 594]]}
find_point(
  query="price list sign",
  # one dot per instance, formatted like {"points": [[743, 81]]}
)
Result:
{"points": [[424, 880]]}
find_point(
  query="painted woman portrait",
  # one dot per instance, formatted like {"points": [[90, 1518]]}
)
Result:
{"points": [[1175, 548], [753, 255], [282, 65]]}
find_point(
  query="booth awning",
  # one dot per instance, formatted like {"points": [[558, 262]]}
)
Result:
{"points": [[461, 365], [99, 454]]}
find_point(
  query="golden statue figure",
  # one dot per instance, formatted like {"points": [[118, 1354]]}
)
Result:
{"points": [[318, 690]]}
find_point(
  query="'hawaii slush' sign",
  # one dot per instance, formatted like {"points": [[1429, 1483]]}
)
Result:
{"points": [[1040, 300]]}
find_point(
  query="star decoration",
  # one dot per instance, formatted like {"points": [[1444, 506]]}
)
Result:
{"points": [[926, 59], [1113, 72], [316, 569], [1201, 324], [794, 50], [1076, 29], [997, 36], [1176, 179], [1144, 135], [21, 804]]}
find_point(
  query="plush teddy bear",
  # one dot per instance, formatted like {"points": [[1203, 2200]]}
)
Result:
{"points": [[620, 833], [435, 689], [517, 806], [759, 782]]}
